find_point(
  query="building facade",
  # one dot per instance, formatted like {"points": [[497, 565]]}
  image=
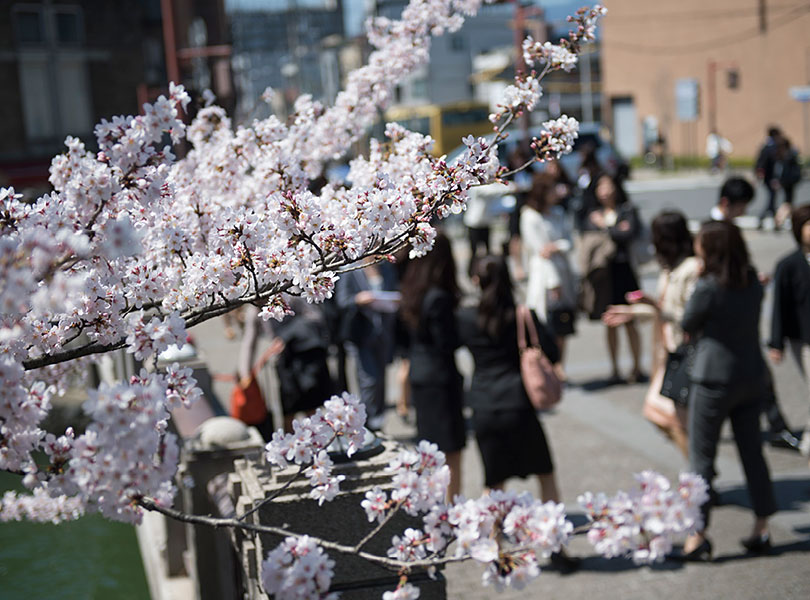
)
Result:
{"points": [[287, 45], [679, 71], [64, 65]]}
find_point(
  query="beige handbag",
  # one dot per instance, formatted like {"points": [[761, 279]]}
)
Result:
{"points": [[542, 385]]}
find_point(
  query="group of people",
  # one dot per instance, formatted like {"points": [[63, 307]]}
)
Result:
{"points": [[708, 296]]}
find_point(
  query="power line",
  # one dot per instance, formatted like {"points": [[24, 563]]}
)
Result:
{"points": [[713, 43]]}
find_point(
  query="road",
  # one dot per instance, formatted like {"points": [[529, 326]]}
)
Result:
{"points": [[599, 439], [695, 195]]}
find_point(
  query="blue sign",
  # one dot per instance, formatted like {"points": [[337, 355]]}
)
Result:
{"points": [[800, 93]]}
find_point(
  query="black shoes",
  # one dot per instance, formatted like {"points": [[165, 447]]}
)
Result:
{"points": [[703, 553], [639, 377], [784, 439], [758, 544], [563, 563]]}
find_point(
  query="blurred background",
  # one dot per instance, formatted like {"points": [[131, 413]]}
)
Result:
{"points": [[661, 78]]}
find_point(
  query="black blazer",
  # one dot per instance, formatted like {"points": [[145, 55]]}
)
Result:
{"points": [[791, 301], [433, 343], [496, 382], [622, 238], [725, 326]]}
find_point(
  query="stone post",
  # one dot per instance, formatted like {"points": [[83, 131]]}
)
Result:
{"points": [[343, 520]]}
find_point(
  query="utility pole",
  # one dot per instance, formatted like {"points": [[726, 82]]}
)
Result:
{"points": [[520, 64], [585, 91], [763, 17], [169, 42]]}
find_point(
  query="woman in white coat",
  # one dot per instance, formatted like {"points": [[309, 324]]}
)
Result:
{"points": [[547, 245]]}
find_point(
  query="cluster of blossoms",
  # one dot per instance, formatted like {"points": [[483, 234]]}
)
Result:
{"points": [[643, 523], [524, 94], [557, 56], [124, 454], [341, 418], [504, 530], [509, 532], [556, 139], [585, 20], [298, 568], [133, 246]]}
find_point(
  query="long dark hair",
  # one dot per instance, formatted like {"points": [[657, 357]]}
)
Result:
{"points": [[618, 186], [497, 306], [671, 238], [437, 268], [725, 255], [542, 187]]}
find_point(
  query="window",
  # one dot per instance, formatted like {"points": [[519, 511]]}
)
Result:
{"points": [[457, 42], [68, 27], [29, 26], [54, 85]]}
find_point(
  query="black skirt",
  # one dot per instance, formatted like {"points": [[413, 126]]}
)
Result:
{"points": [[438, 414], [512, 444], [623, 279]]}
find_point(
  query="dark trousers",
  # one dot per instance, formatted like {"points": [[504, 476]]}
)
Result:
{"points": [[776, 422], [709, 406], [770, 207], [371, 359]]}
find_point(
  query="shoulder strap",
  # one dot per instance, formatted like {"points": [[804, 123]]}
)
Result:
{"points": [[525, 322]]}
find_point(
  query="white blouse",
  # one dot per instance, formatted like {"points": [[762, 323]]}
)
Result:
{"points": [[544, 274]]}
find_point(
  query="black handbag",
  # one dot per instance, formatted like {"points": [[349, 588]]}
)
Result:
{"points": [[676, 383], [561, 320]]}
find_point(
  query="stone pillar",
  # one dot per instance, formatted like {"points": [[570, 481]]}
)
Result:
{"points": [[206, 457], [343, 520]]}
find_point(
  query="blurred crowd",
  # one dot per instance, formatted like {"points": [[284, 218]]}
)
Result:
{"points": [[575, 245]]}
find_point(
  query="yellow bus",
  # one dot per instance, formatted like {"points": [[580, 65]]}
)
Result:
{"points": [[446, 123]]}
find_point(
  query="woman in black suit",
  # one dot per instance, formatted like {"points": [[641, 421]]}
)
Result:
{"points": [[617, 217], [429, 298], [728, 374], [510, 438]]}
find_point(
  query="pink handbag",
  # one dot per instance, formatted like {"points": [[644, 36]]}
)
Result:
{"points": [[542, 385]]}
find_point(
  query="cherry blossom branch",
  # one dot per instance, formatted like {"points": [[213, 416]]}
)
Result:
{"points": [[224, 522], [382, 523]]}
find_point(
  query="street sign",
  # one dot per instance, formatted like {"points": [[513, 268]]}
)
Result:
{"points": [[800, 93]]}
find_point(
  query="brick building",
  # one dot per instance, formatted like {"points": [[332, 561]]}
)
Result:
{"points": [[679, 69]]}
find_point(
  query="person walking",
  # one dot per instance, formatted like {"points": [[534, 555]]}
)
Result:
{"points": [[510, 438], [735, 196], [788, 173], [679, 274], [717, 149], [790, 317], [765, 168], [728, 375], [547, 245], [437, 392], [618, 218]]}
